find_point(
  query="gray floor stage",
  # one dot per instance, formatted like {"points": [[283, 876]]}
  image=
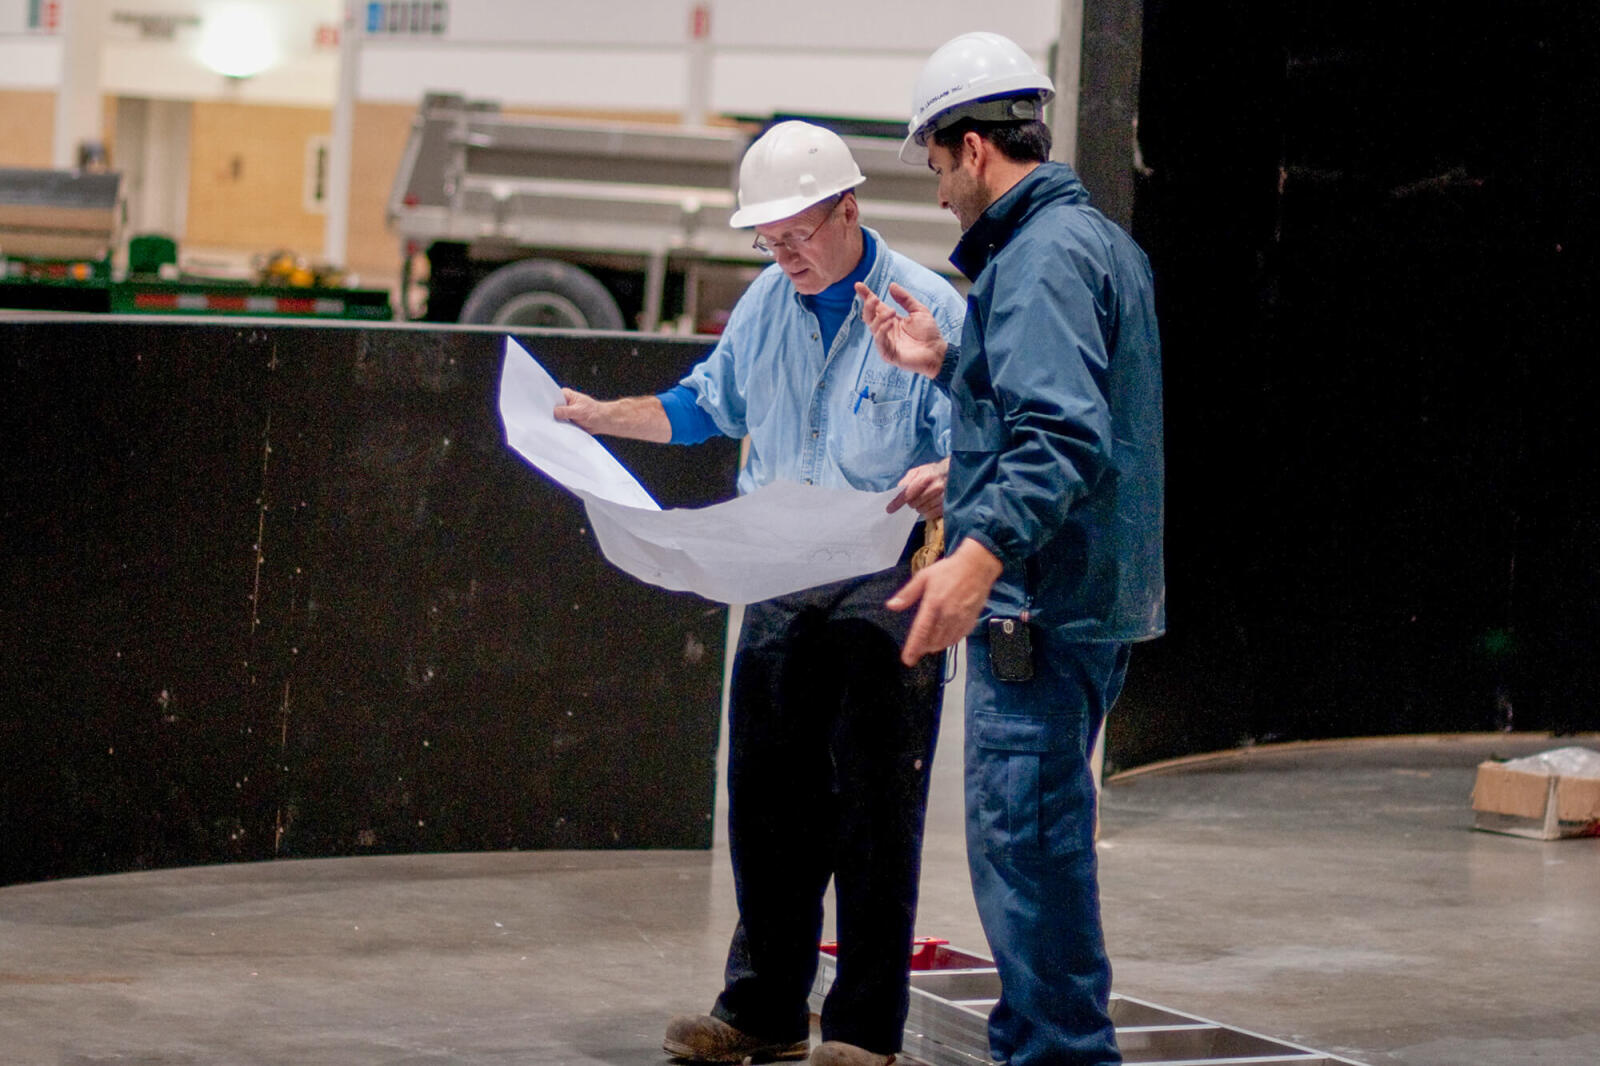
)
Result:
{"points": [[1333, 896]]}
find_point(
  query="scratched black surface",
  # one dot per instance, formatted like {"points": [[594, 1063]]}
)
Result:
{"points": [[427, 653], [1376, 268]]}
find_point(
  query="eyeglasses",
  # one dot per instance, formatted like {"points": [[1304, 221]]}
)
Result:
{"points": [[792, 244]]}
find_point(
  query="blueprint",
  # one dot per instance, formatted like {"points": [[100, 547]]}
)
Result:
{"points": [[782, 538]]}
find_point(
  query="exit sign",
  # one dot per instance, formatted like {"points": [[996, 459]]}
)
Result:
{"points": [[44, 15]]}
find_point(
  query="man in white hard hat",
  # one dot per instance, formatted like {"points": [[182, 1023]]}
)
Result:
{"points": [[1053, 511], [831, 737]]}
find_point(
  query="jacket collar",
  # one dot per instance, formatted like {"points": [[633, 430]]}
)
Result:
{"points": [[1046, 184]]}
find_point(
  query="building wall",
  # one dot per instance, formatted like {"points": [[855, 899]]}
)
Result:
{"points": [[246, 177], [380, 137], [631, 60], [247, 171], [27, 127]]}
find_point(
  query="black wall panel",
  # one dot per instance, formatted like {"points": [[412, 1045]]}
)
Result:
{"points": [[1374, 235], [282, 591]]}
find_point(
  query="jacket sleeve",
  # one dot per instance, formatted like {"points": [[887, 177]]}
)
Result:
{"points": [[1043, 409], [949, 311]]}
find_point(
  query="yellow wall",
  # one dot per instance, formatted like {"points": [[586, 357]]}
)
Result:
{"points": [[380, 137], [247, 178], [27, 128]]}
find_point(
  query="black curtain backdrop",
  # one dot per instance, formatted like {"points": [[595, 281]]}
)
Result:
{"points": [[1374, 234]]}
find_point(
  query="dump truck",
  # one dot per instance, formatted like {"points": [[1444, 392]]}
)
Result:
{"points": [[529, 221], [61, 229]]}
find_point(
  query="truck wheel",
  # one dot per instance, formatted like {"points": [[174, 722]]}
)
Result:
{"points": [[542, 292]]}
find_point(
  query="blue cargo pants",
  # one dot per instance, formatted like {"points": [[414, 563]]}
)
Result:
{"points": [[1030, 845]]}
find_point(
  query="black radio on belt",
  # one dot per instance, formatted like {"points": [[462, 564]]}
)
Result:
{"points": [[1011, 649]]}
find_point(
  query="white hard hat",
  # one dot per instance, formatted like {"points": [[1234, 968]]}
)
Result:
{"points": [[792, 166], [977, 75]]}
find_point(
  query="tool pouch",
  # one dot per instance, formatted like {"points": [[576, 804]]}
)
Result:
{"points": [[932, 545]]}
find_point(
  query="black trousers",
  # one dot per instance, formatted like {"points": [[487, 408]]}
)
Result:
{"points": [[831, 743]]}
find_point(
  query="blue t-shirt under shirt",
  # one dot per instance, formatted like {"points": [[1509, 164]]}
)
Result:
{"points": [[692, 424]]}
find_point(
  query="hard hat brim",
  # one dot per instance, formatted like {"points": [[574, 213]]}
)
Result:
{"points": [[913, 152], [778, 210]]}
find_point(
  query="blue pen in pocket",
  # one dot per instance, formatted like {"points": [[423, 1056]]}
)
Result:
{"points": [[864, 395]]}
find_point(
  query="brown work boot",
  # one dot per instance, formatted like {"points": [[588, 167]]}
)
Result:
{"points": [[838, 1053], [702, 1038]]}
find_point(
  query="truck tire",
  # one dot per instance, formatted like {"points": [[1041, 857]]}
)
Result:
{"points": [[542, 292]]}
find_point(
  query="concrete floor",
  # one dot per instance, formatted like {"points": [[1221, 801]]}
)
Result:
{"points": [[1336, 896], [1333, 896]]}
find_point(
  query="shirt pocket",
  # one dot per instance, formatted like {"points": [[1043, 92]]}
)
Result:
{"points": [[873, 447]]}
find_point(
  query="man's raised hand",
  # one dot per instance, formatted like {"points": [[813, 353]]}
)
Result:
{"points": [[911, 340]]}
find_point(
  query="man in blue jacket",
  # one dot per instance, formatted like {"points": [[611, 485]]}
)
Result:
{"points": [[831, 737], [1053, 509]]}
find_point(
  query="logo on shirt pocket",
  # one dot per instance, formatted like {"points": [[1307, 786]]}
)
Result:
{"points": [[873, 444]]}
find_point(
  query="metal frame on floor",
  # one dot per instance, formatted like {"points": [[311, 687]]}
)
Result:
{"points": [[952, 992]]}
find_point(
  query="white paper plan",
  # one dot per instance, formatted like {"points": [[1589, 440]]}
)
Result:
{"points": [[781, 538], [529, 397]]}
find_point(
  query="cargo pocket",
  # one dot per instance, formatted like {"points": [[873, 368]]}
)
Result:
{"points": [[1031, 777]]}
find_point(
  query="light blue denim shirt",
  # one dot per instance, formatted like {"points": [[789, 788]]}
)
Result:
{"points": [[836, 418]]}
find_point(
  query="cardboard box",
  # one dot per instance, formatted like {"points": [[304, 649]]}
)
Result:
{"points": [[1540, 805]]}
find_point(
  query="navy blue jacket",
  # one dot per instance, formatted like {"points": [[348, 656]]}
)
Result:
{"points": [[1056, 443]]}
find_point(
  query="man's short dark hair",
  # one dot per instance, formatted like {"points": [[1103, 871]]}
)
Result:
{"points": [[1021, 142]]}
